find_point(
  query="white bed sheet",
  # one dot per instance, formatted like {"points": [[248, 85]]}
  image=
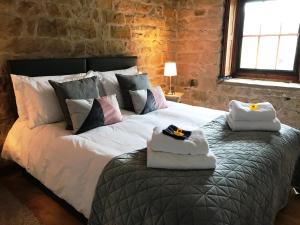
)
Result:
{"points": [[70, 165]]}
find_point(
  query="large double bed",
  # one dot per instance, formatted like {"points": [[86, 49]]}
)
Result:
{"points": [[70, 165]]}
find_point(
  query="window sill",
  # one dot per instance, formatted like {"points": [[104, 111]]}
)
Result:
{"points": [[262, 84]]}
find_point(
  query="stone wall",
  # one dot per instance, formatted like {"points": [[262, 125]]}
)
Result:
{"points": [[198, 57], [75, 28]]}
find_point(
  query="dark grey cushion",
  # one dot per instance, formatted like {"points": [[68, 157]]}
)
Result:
{"points": [[133, 83], [78, 89]]}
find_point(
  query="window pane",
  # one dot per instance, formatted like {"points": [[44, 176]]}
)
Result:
{"points": [[267, 52], [251, 28], [252, 18], [289, 14], [265, 44], [290, 27], [248, 57], [270, 21], [287, 52], [270, 27]]}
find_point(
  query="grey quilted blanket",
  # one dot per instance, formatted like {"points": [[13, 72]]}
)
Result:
{"points": [[248, 187]]}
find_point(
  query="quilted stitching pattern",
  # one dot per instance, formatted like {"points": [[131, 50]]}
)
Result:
{"points": [[248, 187]]}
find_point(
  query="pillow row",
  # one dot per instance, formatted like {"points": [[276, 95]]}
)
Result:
{"points": [[80, 98], [37, 102]]}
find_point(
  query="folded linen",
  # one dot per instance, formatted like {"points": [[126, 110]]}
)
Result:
{"points": [[176, 161], [194, 145], [252, 112], [236, 125]]}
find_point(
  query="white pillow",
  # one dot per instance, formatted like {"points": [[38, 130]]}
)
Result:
{"points": [[110, 84], [19, 91], [36, 99]]}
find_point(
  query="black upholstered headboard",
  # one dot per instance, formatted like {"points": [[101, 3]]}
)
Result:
{"points": [[47, 67], [110, 63]]}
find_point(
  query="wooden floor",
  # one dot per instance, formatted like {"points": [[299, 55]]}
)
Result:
{"points": [[52, 211], [49, 209]]}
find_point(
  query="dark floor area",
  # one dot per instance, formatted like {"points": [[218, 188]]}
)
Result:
{"points": [[51, 210]]}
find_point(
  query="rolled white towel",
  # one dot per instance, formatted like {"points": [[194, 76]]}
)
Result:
{"points": [[176, 161], [242, 111], [196, 144], [236, 125]]}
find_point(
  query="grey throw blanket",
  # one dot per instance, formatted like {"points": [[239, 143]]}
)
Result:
{"points": [[249, 186]]}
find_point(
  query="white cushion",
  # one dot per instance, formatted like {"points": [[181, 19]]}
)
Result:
{"points": [[36, 99], [110, 84], [19, 91]]}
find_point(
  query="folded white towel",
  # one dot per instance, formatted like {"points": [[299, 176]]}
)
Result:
{"points": [[236, 125], [183, 162], [241, 111], [196, 144]]}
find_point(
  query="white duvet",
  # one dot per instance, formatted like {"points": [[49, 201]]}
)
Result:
{"points": [[70, 165]]}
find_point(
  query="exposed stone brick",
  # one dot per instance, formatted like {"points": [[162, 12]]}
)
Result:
{"points": [[82, 30], [103, 4], [94, 47], [156, 12], [7, 5], [78, 49], [56, 46], [146, 20], [199, 12], [10, 25], [124, 6], [129, 19], [29, 8], [31, 27], [144, 9], [23, 45], [115, 18], [52, 28], [170, 12], [53, 9], [120, 32]]}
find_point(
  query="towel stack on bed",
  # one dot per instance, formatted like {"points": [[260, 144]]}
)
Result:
{"points": [[169, 152], [247, 116]]}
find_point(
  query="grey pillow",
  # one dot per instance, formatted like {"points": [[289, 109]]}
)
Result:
{"points": [[145, 101], [78, 89], [131, 83]]}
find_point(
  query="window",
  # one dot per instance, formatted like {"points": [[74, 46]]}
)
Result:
{"points": [[262, 39]]}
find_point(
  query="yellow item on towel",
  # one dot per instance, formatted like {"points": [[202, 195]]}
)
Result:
{"points": [[179, 132], [253, 107]]}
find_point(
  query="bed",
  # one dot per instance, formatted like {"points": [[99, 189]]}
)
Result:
{"points": [[70, 165]]}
